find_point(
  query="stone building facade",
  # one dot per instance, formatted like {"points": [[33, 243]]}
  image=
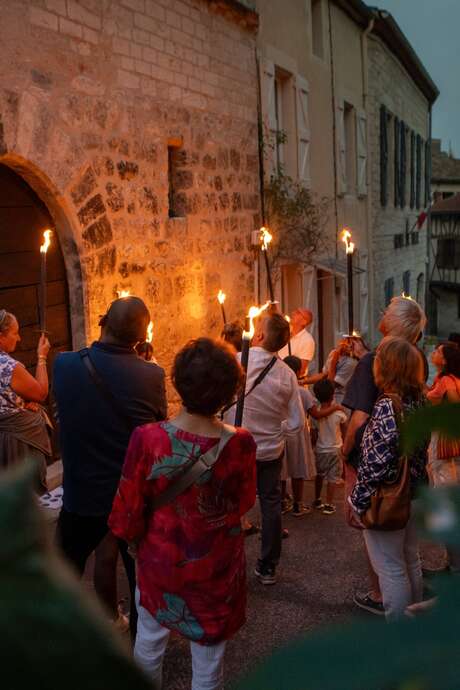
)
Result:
{"points": [[135, 124], [445, 172], [400, 97]]}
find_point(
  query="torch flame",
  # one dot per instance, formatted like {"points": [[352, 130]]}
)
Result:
{"points": [[288, 318], [253, 313], [265, 238], [221, 297], [345, 237], [404, 296], [150, 332], [123, 293], [47, 241]]}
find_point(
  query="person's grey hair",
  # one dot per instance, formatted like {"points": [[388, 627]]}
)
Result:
{"points": [[405, 318], [6, 319]]}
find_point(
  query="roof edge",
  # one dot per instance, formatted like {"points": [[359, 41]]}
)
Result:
{"points": [[240, 9]]}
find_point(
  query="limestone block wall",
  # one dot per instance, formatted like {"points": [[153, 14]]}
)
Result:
{"points": [[90, 94], [391, 85]]}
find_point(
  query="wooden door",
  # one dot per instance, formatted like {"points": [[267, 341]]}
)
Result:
{"points": [[23, 218]]}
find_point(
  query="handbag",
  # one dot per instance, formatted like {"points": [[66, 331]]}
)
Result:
{"points": [[448, 448], [391, 503]]}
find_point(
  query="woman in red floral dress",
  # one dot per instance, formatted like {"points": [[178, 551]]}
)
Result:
{"points": [[191, 571]]}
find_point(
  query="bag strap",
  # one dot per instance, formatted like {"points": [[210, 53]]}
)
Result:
{"points": [[256, 382], [106, 393], [193, 473]]}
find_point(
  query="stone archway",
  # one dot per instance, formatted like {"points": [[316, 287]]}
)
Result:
{"points": [[49, 209]]}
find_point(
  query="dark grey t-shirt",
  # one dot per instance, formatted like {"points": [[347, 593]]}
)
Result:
{"points": [[361, 394]]}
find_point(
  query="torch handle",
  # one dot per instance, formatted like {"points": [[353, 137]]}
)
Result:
{"points": [[43, 279], [351, 324], [244, 364], [269, 277], [224, 317]]}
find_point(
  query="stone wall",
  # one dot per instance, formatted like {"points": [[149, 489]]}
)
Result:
{"points": [[90, 94], [391, 85]]}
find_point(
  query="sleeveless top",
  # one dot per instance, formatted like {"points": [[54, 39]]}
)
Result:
{"points": [[9, 400]]}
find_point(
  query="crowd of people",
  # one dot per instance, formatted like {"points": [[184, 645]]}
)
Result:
{"points": [[171, 494]]}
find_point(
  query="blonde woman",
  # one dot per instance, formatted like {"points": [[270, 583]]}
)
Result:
{"points": [[23, 432]]}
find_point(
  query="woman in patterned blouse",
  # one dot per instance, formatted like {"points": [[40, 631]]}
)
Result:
{"points": [[23, 432], [191, 572], [399, 374]]}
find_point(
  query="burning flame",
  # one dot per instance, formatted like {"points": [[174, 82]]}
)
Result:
{"points": [[404, 296], [253, 313], [221, 297], [288, 318], [123, 293], [47, 241], [356, 334], [265, 238], [149, 337], [345, 237]]}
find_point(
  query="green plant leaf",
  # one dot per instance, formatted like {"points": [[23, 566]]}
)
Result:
{"points": [[419, 426]]}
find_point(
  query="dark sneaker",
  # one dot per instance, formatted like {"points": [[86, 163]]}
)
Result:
{"points": [[299, 510], [265, 575], [318, 504], [328, 509], [365, 602], [286, 505]]}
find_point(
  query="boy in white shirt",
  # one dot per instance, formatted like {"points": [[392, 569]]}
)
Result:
{"points": [[331, 430]]}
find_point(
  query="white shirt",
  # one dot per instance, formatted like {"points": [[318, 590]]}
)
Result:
{"points": [[302, 345], [275, 399], [329, 433]]}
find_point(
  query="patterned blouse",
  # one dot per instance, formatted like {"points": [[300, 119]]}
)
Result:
{"points": [[9, 400], [380, 454], [191, 568]]}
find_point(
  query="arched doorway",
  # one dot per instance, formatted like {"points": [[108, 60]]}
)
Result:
{"points": [[23, 218]]}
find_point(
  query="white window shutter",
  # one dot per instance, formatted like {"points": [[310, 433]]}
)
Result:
{"points": [[341, 148], [361, 151], [303, 131]]}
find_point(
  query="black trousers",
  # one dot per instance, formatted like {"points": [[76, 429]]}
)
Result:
{"points": [[79, 535], [269, 491]]}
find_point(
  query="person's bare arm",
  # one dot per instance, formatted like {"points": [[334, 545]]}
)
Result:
{"points": [[357, 419], [320, 413], [304, 367], [24, 384], [310, 380]]}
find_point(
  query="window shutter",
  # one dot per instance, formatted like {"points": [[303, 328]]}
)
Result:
{"points": [[303, 131], [383, 156], [406, 282], [427, 173], [361, 151], [341, 149], [403, 165], [389, 287], [397, 166], [418, 178], [412, 169]]}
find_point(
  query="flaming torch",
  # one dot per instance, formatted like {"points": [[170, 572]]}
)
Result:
{"points": [[43, 251], [248, 334], [149, 337], [289, 341], [265, 239], [349, 248], [123, 293], [221, 299]]}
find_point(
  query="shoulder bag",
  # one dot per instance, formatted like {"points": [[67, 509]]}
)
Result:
{"points": [[391, 504]]}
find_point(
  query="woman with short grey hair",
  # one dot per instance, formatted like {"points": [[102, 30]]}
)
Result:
{"points": [[23, 424]]}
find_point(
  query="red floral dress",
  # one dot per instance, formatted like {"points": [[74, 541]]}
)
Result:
{"points": [[191, 567]]}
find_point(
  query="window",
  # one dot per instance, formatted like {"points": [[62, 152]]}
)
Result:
{"points": [[398, 240], [350, 147], [447, 195], [448, 254], [403, 164], [317, 38], [178, 179], [389, 287], [458, 305], [420, 297], [278, 133], [418, 166], [278, 96], [397, 161], [427, 173], [412, 169], [406, 282]]}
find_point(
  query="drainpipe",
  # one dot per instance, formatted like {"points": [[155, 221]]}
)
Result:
{"points": [[432, 327], [370, 252], [260, 132]]}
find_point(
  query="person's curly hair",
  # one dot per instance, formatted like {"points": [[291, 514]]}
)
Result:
{"points": [[206, 375]]}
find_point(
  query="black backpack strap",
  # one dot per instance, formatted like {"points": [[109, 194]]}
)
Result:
{"points": [[106, 393], [256, 382], [193, 473]]}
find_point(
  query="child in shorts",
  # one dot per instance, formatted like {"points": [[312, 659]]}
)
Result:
{"points": [[331, 430]]}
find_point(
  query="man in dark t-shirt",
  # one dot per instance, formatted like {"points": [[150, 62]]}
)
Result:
{"points": [[95, 424], [406, 319]]}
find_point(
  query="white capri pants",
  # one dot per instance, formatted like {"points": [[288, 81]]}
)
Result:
{"points": [[149, 649]]}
